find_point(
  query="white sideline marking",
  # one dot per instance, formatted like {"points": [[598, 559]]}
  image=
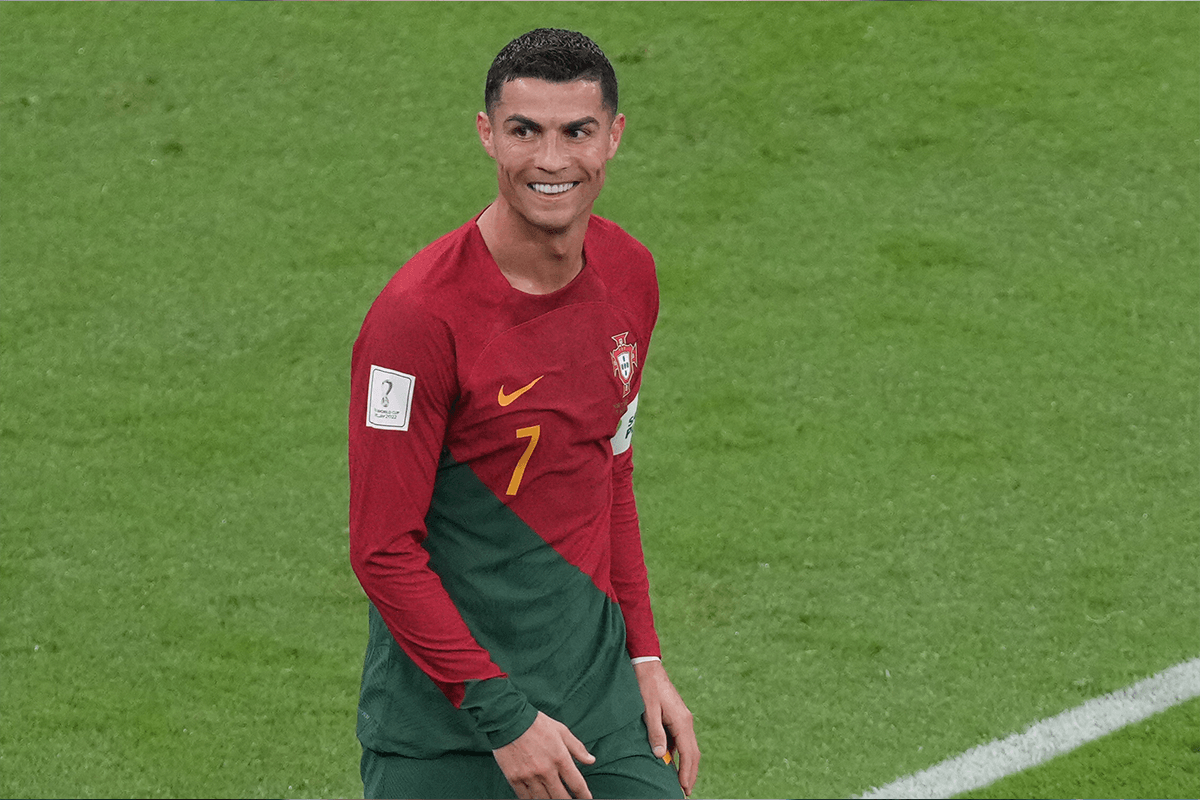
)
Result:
{"points": [[1041, 741]]}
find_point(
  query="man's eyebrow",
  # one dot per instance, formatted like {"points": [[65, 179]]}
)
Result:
{"points": [[579, 123], [526, 121], [574, 125]]}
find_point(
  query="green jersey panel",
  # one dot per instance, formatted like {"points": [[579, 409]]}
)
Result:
{"points": [[559, 638]]}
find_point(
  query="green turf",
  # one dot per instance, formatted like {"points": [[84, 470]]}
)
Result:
{"points": [[1166, 746], [917, 462]]}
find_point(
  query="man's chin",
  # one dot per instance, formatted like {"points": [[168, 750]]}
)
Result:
{"points": [[555, 224]]}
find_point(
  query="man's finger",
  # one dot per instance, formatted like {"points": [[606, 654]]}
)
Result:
{"points": [[689, 759], [577, 749], [576, 784], [570, 774], [658, 736], [532, 790]]}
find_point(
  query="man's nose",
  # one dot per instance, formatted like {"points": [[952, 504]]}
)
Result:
{"points": [[552, 155]]}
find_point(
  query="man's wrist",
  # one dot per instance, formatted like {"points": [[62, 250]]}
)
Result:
{"points": [[501, 712]]}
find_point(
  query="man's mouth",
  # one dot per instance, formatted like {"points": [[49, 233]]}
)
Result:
{"points": [[552, 188]]}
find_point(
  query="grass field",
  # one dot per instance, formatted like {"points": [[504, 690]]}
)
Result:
{"points": [[918, 459]]}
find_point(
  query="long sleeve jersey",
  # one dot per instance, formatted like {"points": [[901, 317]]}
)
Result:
{"points": [[492, 517]]}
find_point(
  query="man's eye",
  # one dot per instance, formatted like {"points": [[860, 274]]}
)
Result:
{"points": [[522, 132], [577, 133]]}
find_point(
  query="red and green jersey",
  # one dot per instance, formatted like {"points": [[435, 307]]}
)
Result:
{"points": [[492, 518]]}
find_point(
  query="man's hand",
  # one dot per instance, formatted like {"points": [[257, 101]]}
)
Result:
{"points": [[540, 763], [666, 714]]}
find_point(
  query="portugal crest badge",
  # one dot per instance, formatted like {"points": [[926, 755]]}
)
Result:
{"points": [[624, 361]]}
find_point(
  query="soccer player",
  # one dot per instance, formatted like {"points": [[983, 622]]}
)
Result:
{"points": [[492, 520]]}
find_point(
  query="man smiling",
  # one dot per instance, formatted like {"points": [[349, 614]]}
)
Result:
{"points": [[494, 387]]}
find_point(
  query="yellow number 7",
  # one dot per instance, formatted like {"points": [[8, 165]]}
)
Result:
{"points": [[532, 433]]}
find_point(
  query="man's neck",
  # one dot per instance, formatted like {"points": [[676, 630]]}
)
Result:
{"points": [[533, 260]]}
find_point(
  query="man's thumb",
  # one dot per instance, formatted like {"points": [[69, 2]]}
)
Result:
{"points": [[658, 737]]}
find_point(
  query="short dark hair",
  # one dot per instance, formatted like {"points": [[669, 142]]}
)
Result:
{"points": [[554, 55]]}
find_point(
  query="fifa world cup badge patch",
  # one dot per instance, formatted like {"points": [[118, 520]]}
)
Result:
{"points": [[389, 401], [624, 361]]}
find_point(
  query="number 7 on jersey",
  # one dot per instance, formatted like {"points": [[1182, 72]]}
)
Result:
{"points": [[532, 433]]}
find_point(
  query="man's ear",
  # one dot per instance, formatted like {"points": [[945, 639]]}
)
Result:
{"points": [[483, 124], [614, 134]]}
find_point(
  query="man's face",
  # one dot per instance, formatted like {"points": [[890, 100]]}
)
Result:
{"points": [[550, 142]]}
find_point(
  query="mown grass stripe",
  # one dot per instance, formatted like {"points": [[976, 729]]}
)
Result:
{"points": [[988, 763]]}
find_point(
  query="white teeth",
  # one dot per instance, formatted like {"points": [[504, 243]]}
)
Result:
{"points": [[552, 188]]}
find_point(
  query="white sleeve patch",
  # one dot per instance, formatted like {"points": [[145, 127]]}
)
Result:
{"points": [[624, 435], [389, 402]]}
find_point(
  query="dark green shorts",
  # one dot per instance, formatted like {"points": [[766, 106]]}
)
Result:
{"points": [[625, 767]]}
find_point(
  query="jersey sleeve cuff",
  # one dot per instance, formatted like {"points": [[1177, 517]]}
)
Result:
{"points": [[643, 659], [500, 710]]}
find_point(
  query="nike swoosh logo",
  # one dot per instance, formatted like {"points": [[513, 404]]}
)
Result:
{"points": [[507, 399]]}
